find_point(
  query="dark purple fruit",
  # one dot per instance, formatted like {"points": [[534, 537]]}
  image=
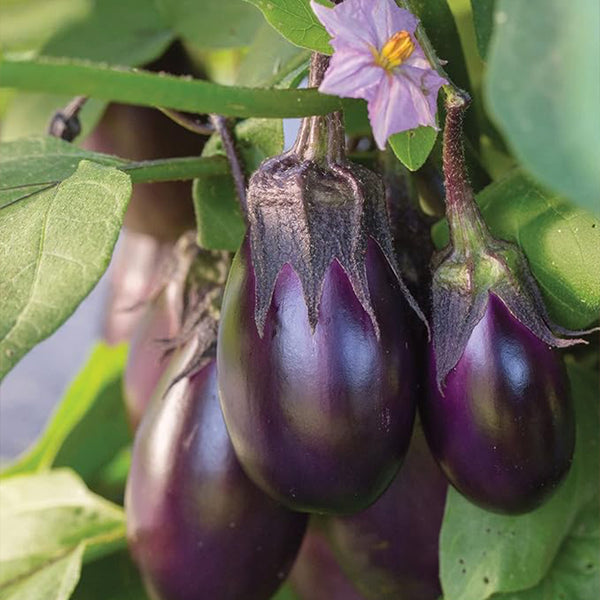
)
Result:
{"points": [[197, 527], [321, 421], [390, 551], [316, 574], [503, 430]]}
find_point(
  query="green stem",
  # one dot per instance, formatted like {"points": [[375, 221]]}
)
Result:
{"points": [[71, 77]]}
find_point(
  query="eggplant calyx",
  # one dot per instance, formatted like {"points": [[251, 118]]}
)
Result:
{"points": [[462, 284]]}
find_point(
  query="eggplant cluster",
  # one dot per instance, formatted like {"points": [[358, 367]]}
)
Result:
{"points": [[304, 400]]}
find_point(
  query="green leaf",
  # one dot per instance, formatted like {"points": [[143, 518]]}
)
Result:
{"points": [[211, 23], [483, 553], [45, 518], [151, 89], [27, 25], [55, 580], [413, 147], [560, 240], [113, 577], [297, 22], [285, 593], [575, 572], [124, 33], [483, 21], [542, 90], [55, 246], [219, 219], [88, 426], [270, 57]]}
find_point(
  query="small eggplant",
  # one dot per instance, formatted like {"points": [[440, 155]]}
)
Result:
{"points": [[316, 369], [197, 527], [316, 574], [390, 551], [503, 430]]}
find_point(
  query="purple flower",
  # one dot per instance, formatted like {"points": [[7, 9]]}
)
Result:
{"points": [[377, 57]]}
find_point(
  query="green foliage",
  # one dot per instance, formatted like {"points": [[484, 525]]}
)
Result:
{"points": [[483, 553], [561, 242], [542, 89], [50, 521], [55, 246], [218, 216], [201, 23], [91, 414], [483, 20], [297, 22], [413, 147]]}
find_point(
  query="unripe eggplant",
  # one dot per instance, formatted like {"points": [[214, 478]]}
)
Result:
{"points": [[390, 551], [316, 574], [197, 527], [316, 368], [503, 430], [319, 420]]}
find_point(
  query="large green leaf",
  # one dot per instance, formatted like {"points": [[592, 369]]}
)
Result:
{"points": [[542, 90], [219, 219], [483, 553], [297, 22], [211, 23], [413, 147], [55, 246], [560, 240], [575, 572], [152, 89], [48, 518], [483, 21], [89, 426]]}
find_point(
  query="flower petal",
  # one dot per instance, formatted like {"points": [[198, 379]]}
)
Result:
{"points": [[389, 18], [351, 74], [350, 21]]}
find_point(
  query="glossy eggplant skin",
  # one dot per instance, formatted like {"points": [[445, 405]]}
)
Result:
{"points": [[321, 421], [197, 527], [390, 551], [504, 429]]}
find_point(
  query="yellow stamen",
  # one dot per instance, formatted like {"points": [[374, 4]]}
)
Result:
{"points": [[395, 51]]}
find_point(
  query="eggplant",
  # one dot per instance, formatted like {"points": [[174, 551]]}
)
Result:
{"points": [[197, 527], [503, 429], [316, 574], [321, 421], [390, 551]]}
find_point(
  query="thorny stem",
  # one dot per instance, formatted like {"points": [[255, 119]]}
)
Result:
{"points": [[320, 138], [468, 230], [239, 179], [65, 123]]}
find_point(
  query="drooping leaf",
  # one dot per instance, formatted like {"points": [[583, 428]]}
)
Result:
{"points": [[575, 572], [88, 426], [55, 246], [560, 240], [413, 147], [219, 219], [48, 517], [151, 89], [211, 23], [483, 553], [542, 90], [483, 21], [54, 580], [297, 22]]}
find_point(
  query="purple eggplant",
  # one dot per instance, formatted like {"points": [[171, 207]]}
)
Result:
{"points": [[321, 421], [197, 527], [316, 574], [390, 551], [503, 429]]}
